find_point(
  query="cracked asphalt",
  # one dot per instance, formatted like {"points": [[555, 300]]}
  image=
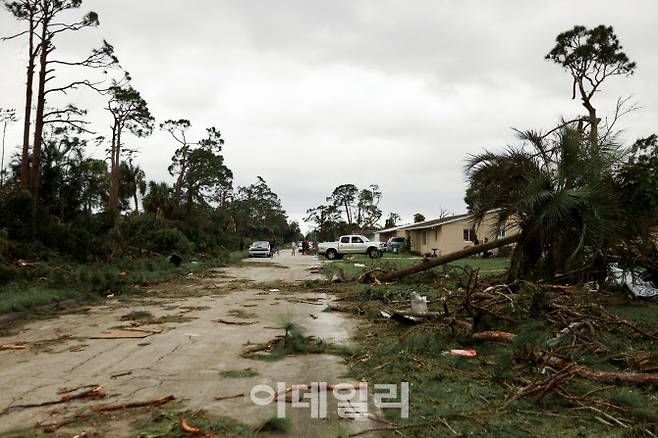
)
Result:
{"points": [[186, 358]]}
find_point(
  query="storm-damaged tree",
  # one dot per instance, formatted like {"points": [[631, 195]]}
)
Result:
{"points": [[7, 116], [50, 28], [129, 112], [26, 11], [201, 176], [344, 197], [367, 207], [418, 218], [392, 220], [325, 219], [590, 56], [257, 212]]}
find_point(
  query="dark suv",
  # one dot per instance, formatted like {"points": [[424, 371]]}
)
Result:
{"points": [[396, 242]]}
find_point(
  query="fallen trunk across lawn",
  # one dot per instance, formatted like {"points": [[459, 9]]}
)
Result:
{"points": [[457, 255]]}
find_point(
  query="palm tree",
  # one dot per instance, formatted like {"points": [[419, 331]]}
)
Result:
{"points": [[559, 193], [133, 182], [158, 199]]}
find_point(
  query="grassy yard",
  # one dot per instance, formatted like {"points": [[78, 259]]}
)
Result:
{"points": [[493, 266], [474, 396]]}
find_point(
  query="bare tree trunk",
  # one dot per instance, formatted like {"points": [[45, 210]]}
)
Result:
{"points": [[114, 172], [135, 199], [41, 106], [25, 155], [429, 264]]}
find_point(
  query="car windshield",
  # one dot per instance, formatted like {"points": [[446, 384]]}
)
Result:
{"points": [[364, 238], [260, 244]]}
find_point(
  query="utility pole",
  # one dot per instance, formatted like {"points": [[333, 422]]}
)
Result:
{"points": [[6, 116]]}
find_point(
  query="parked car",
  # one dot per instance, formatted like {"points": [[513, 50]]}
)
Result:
{"points": [[260, 249], [396, 242], [351, 244]]}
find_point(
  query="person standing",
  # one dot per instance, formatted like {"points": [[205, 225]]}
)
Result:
{"points": [[294, 247]]}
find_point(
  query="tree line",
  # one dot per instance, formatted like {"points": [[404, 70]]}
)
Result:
{"points": [[56, 199]]}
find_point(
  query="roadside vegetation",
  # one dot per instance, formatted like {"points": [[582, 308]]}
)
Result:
{"points": [[74, 228]]}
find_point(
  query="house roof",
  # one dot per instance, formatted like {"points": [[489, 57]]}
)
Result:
{"points": [[433, 223], [388, 230]]}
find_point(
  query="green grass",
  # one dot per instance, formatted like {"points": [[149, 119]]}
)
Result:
{"points": [[237, 374], [19, 297], [27, 288], [472, 394], [489, 267]]}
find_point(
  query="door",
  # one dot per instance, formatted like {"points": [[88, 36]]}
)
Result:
{"points": [[357, 246]]}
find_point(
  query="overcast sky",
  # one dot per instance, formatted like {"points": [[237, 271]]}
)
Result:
{"points": [[313, 94]]}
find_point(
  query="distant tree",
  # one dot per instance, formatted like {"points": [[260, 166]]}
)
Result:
{"points": [[7, 116], [392, 220], [418, 218], [132, 182], [158, 199], [590, 56], [201, 175], [368, 212], [129, 111], [344, 197], [325, 218]]}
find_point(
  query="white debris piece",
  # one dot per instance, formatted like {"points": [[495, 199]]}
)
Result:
{"points": [[418, 303], [631, 279]]}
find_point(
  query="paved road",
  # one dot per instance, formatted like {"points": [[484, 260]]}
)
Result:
{"points": [[186, 359]]}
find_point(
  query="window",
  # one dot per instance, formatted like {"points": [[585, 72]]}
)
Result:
{"points": [[345, 239], [469, 235], [501, 232], [357, 240], [436, 234], [424, 238]]}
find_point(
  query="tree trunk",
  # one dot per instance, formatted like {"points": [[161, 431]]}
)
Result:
{"points": [[2, 161], [136, 201], [25, 155], [429, 264], [114, 173], [41, 106]]}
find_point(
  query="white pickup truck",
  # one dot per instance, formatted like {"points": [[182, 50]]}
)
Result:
{"points": [[351, 244]]}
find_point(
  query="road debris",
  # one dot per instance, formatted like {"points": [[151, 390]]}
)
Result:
{"points": [[226, 321], [125, 333], [467, 353], [191, 429], [14, 347], [90, 391], [339, 277], [229, 397]]}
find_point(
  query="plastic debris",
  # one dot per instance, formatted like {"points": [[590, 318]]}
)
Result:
{"points": [[418, 303], [339, 277], [467, 353], [631, 279]]}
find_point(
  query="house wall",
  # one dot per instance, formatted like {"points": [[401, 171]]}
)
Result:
{"points": [[449, 237]]}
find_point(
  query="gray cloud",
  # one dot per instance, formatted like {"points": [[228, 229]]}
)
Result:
{"points": [[312, 94]]}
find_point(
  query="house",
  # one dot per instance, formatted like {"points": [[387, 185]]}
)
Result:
{"points": [[453, 233]]}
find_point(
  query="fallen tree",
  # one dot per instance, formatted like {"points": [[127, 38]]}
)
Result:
{"points": [[442, 260]]}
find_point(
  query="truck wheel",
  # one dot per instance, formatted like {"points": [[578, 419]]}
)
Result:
{"points": [[331, 254], [373, 253]]}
